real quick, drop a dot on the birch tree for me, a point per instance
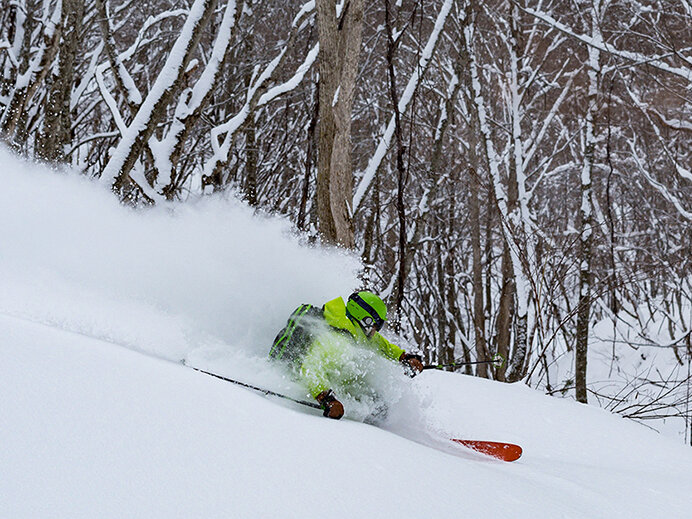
(593, 65)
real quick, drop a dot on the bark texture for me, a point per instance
(340, 41)
(56, 132)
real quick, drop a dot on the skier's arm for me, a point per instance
(387, 348)
(413, 363)
(316, 363)
(319, 359)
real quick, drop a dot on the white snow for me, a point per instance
(307, 8)
(71, 256)
(99, 419)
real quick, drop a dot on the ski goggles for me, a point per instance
(377, 322)
(371, 325)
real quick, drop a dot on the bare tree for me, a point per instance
(593, 65)
(55, 134)
(38, 47)
(154, 106)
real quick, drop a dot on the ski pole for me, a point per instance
(261, 390)
(498, 361)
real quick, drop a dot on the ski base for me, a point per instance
(498, 450)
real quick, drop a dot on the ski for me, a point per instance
(498, 450)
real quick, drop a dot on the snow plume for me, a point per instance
(209, 282)
(209, 275)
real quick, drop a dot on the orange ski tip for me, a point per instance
(499, 450)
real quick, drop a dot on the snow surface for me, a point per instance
(100, 419)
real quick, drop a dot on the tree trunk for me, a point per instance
(445, 328)
(517, 204)
(478, 292)
(309, 162)
(28, 81)
(340, 41)
(57, 125)
(401, 175)
(505, 311)
(250, 183)
(585, 213)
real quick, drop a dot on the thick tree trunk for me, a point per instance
(340, 42)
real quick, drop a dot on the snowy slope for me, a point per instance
(90, 429)
(99, 419)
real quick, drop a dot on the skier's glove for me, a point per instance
(413, 364)
(332, 407)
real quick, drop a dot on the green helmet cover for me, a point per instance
(362, 304)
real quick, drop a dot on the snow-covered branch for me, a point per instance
(637, 59)
(152, 109)
(386, 139)
(258, 95)
(38, 67)
(168, 150)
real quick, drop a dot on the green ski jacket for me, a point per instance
(324, 354)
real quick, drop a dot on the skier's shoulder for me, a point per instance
(334, 313)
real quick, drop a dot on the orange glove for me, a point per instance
(413, 364)
(332, 407)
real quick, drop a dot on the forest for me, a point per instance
(511, 172)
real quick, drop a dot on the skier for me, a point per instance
(312, 343)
